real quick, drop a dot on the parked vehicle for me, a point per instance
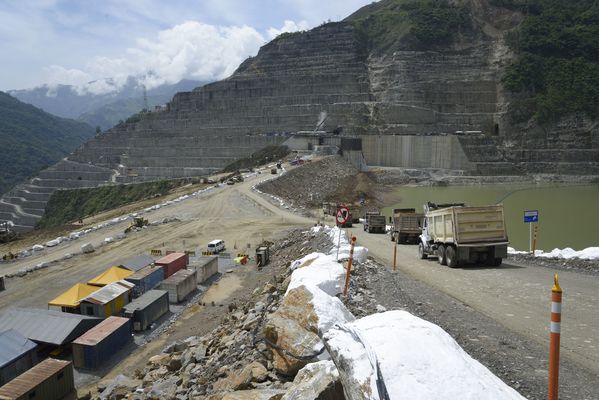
(407, 225)
(374, 222)
(457, 234)
(216, 246)
(262, 256)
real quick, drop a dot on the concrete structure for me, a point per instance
(146, 279)
(47, 327)
(179, 285)
(108, 300)
(204, 267)
(49, 380)
(17, 355)
(99, 344)
(146, 309)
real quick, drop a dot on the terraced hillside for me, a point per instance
(391, 72)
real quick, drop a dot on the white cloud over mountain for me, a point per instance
(190, 50)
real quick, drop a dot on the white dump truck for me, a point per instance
(457, 234)
(374, 222)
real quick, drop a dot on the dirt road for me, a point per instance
(235, 214)
(519, 298)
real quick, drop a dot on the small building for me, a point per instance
(146, 279)
(205, 267)
(179, 285)
(100, 343)
(47, 327)
(111, 275)
(172, 263)
(134, 263)
(108, 300)
(49, 380)
(17, 355)
(146, 309)
(70, 300)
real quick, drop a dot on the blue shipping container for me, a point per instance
(146, 279)
(100, 343)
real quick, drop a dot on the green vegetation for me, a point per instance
(263, 156)
(428, 23)
(32, 139)
(557, 58)
(71, 205)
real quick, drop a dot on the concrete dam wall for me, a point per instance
(409, 151)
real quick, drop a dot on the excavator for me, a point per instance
(138, 222)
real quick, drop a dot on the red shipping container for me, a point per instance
(172, 263)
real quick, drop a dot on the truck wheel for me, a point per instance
(450, 257)
(421, 253)
(495, 262)
(441, 255)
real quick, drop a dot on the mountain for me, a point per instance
(32, 139)
(103, 110)
(469, 88)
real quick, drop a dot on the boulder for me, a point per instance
(119, 387)
(263, 394)
(37, 247)
(304, 314)
(87, 248)
(252, 373)
(316, 381)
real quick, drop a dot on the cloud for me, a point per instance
(191, 50)
(288, 26)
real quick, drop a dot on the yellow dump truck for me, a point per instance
(457, 234)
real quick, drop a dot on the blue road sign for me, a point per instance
(531, 216)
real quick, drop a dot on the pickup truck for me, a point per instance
(457, 234)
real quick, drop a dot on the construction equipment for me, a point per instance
(6, 233)
(458, 234)
(407, 225)
(262, 256)
(374, 222)
(138, 222)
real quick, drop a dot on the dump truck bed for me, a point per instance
(468, 225)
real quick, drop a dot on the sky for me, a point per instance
(96, 45)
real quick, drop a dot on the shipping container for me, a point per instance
(172, 263)
(146, 309)
(97, 345)
(179, 285)
(205, 267)
(17, 355)
(49, 380)
(146, 279)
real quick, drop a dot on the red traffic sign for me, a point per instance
(342, 215)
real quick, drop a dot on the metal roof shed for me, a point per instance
(46, 326)
(111, 275)
(107, 301)
(71, 298)
(135, 263)
(49, 380)
(17, 355)
(146, 309)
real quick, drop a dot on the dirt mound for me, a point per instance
(329, 179)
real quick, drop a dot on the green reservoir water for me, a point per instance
(568, 215)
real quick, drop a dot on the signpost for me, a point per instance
(341, 217)
(530, 217)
